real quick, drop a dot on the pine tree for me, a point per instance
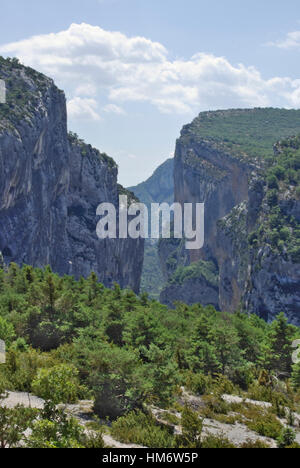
(281, 346)
(192, 427)
(296, 376)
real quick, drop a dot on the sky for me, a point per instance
(135, 71)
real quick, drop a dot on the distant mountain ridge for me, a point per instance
(159, 187)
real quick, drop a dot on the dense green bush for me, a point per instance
(199, 383)
(192, 427)
(13, 423)
(286, 438)
(216, 442)
(59, 384)
(142, 429)
(54, 429)
(267, 426)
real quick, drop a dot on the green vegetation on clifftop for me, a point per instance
(244, 133)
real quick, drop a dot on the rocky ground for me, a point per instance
(21, 398)
(81, 411)
(237, 433)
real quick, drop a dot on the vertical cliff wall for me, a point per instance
(226, 160)
(259, 256)
(51, 184)
(205, 174)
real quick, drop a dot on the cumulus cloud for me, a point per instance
(94, 64)
(291, 41)
(83, 108)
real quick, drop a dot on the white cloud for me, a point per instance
(95, 65)
(86, 89)
(291, 41)
(114, 109)
(83, 108)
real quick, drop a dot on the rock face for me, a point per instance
(257, 277)
(225, 159)
(204, 174)
(51, 184)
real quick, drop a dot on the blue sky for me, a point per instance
(135, 71)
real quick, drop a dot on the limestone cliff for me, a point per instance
(258, 247)
(51, 184)
(226, 159)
